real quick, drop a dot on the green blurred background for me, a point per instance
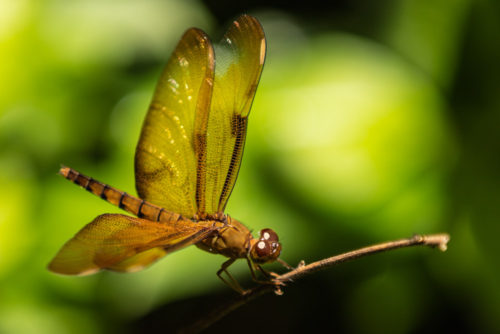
(373, 121)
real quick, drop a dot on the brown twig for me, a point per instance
(439, 241)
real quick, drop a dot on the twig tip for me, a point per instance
(438, 240)
(443, 246)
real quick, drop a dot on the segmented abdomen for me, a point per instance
(129, 203)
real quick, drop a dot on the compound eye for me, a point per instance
(269, 235)
(263, 248)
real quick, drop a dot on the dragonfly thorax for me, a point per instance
(234, 240)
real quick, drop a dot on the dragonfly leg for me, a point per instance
(268, 275)
(284, 264)
(232, 283)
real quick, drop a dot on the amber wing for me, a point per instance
(122, 243)
(191, 144)
(239, 61)
(165, 163)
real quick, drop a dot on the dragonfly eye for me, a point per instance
(263, 249)
(268, 234)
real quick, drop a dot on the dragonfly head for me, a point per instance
(266, 248)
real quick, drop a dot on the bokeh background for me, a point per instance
(373, 120)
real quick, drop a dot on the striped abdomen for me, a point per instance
(129, 203)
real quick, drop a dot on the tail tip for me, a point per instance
(64, 171)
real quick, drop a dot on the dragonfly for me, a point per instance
(186, 164)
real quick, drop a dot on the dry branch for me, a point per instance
(439, 241)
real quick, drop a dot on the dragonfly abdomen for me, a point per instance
(121, 199)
